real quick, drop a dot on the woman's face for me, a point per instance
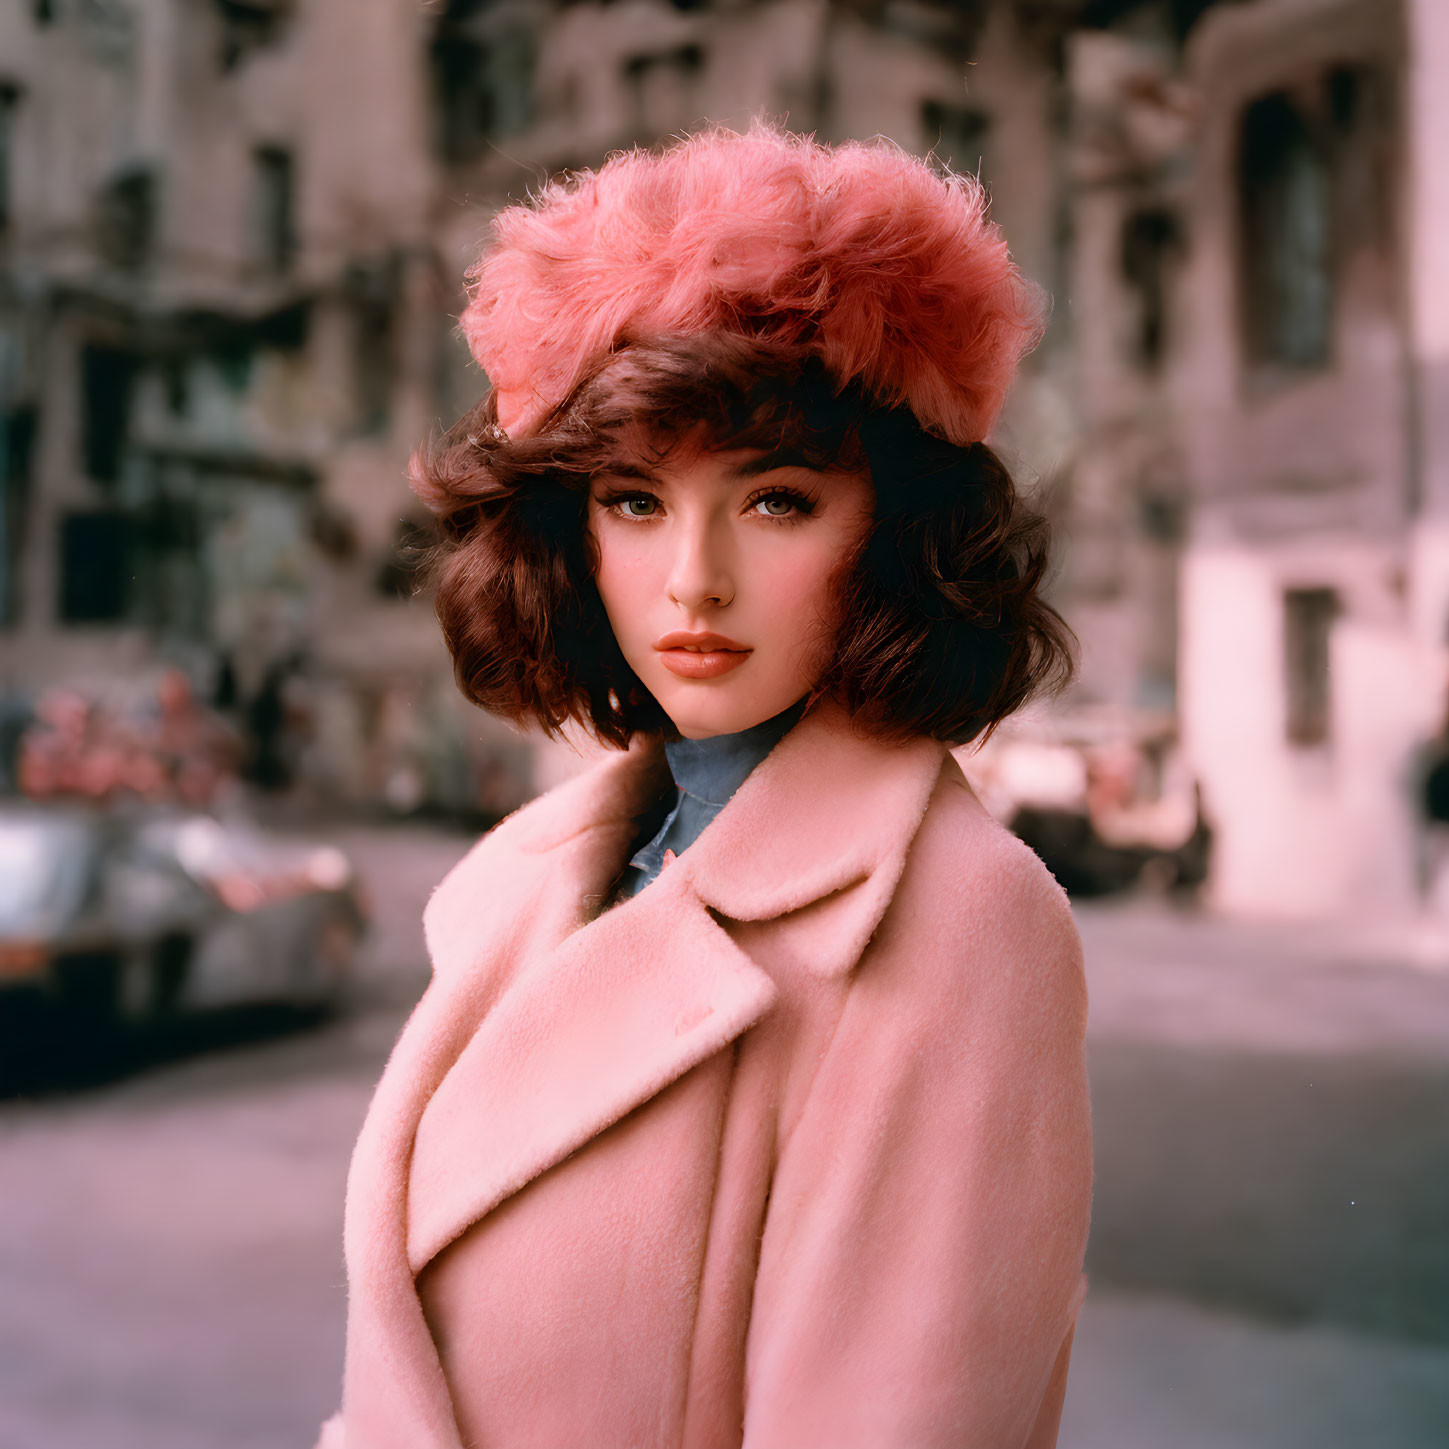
(716, 570)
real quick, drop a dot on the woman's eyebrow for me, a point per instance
(776, 458)
(628, 470)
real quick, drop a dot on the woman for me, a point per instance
(746, 1106)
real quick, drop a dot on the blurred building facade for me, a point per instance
(1313, 606)
(222, 326)
(231, 239)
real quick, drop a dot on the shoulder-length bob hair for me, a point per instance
(943, 631)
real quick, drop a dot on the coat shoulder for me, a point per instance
(991, 916)
(495, 843)
(970, 854)
(491, 867)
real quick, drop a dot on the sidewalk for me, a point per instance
(1156, 973)
(1270, 1249)
(1270, 1243)
(1152, 1373)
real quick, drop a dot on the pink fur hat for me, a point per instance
(859, 253)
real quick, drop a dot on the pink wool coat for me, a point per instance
(789, 1151)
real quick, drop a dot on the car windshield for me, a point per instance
(42, 870)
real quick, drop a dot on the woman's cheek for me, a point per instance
(793, 579)
(625, 582)
(801, 606)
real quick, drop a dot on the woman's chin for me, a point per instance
(699, 712)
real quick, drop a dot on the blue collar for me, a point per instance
(706, 773)
(713, 769)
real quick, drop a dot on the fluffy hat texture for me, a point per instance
(859, 253)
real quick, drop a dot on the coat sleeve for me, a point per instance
(920, 1264)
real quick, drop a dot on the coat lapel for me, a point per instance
(823, 827)
(598, 1013)
(623, 1007)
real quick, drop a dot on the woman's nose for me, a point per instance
(699, 572)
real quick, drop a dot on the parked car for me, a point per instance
(124, 914)
(1106, 798)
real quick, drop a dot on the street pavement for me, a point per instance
(1272, 1121)
(1268, 1262)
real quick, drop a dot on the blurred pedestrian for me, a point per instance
(173, 751)
(195, 751)
(64, 749)
(1434, 820)
(16, 717)
(260, 706)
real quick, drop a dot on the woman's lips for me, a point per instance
(700, 655)
(702, 664)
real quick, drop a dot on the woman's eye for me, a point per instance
(637, 505)
(779, 505)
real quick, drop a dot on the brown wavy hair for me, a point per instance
(944, 628)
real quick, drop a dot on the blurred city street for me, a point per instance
(1268, 1264)
(235, 244)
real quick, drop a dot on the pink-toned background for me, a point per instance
(232, 234)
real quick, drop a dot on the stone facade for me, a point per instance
(223, 319)
(1312, 662)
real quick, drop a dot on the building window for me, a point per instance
(374, 295)
(17, 438)
(1285, 251)
(1151, 239)
(275, 204)
(126, 219)
(94, 567)
(176, 384)
(9, 103)
(1308, 617)
(464, 107)
(108, 375)
(662, 85)
(957, 134)
(170, 582)
(483, 84)
(250, 25)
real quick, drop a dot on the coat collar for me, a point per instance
(828, 807)
(598, 1013)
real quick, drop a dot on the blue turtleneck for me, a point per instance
(706, 773)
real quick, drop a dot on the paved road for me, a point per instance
(1270, 1140)
(170, 1260)
(1272, 1122)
